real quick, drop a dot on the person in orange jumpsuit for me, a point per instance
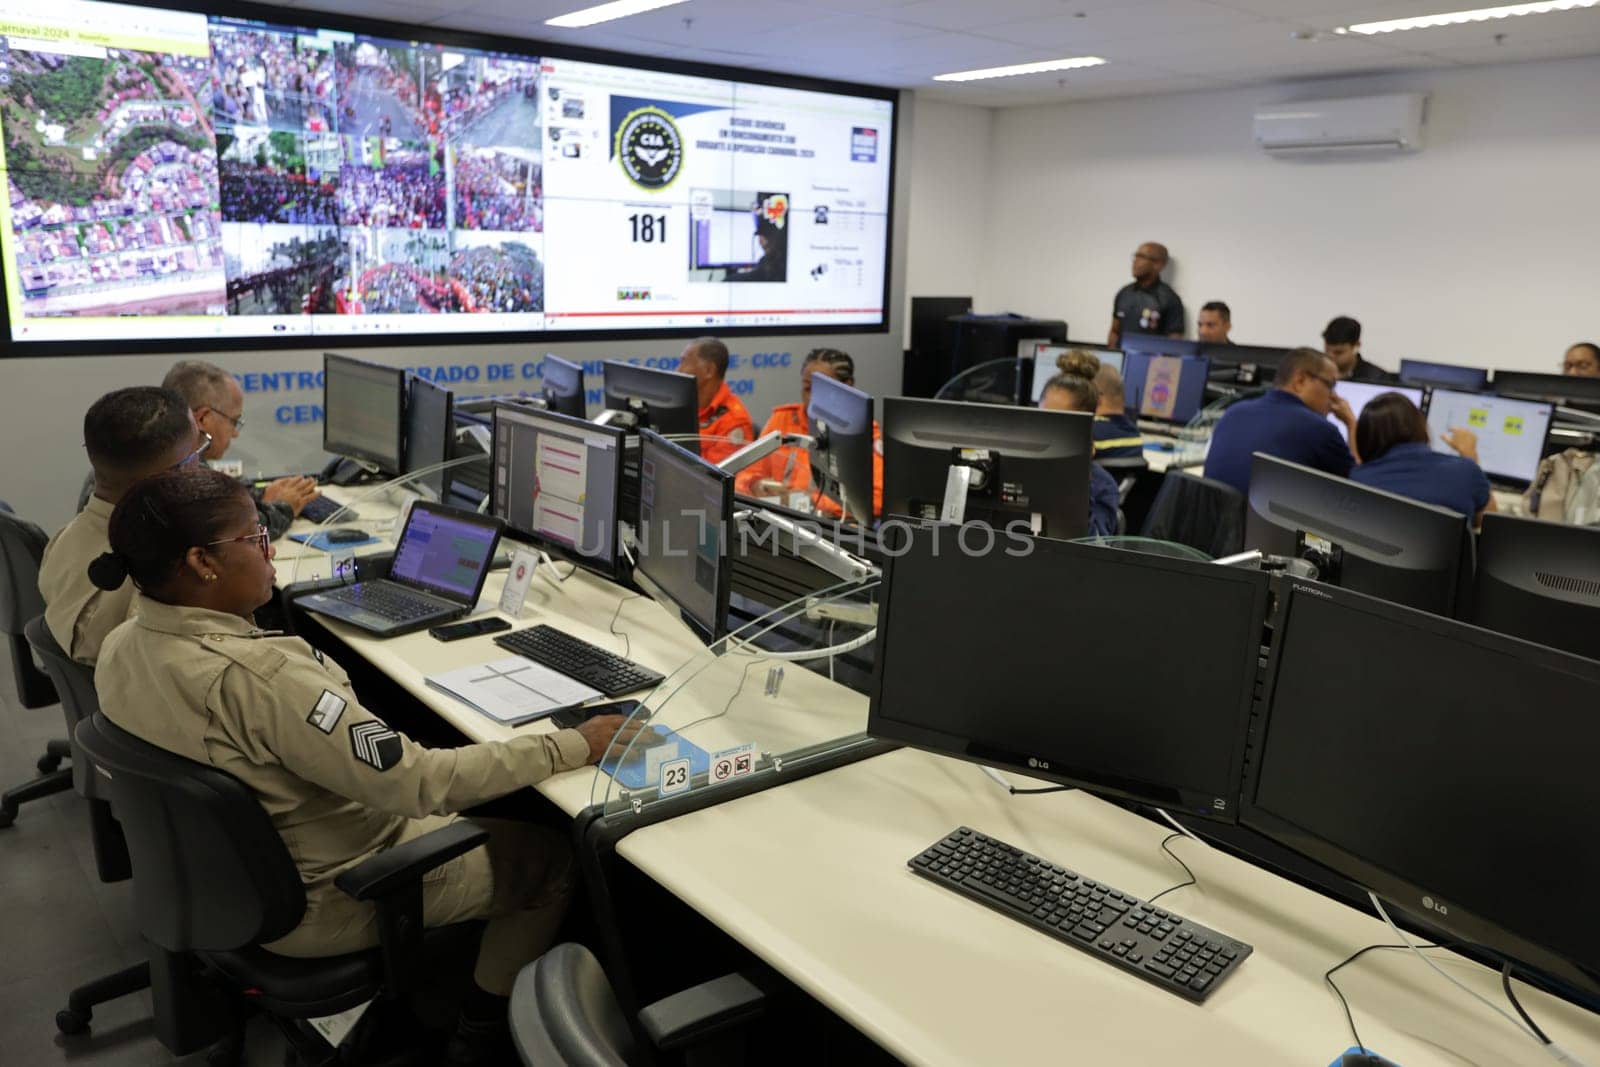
(725, 425)
(789, 468)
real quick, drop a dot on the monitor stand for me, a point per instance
(969, 468)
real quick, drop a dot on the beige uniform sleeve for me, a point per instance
(291, 710)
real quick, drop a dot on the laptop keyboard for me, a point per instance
(386, 600)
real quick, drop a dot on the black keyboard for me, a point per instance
(1158, 945)
(577, 658)
(387, 600)
(320, 509)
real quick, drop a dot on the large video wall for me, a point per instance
(175, 175)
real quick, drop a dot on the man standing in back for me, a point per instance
(1147, 304)
(1341, 339)
(725, 425)
(1290, 422)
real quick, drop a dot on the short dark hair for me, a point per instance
(1083, 392)
(201, 384)
(131, 428)
(714, 350)
(1219, 307)
(159, 519)
(1309, 360)
(844, 368)
(1342, 331)
(1594, 349)
(1388, 419)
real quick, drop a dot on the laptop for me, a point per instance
(438, 571)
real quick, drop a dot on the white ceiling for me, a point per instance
(1152, 46)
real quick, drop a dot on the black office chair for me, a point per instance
(75, 683)
(213, 881)
(564, 1013)
(21, 547)
(1202, 513)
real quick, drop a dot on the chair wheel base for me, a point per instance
(72, 1022)
(7, 817)
(47, 763)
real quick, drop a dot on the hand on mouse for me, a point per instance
(601, 730)
(295, 492)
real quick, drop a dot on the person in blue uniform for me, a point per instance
(1070, 392)
(1290, 422)
(1392, 437)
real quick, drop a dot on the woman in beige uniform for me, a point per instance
(191, 673)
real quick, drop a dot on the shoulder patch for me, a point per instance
(327, 711)
(375, 744)
(737, 434)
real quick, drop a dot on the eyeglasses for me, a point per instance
(1331, 383)
(237, 421)
(261, 537)
(194, 457)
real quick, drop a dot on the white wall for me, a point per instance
(1479, 249)
(951, 161)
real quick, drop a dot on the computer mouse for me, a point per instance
(345, 536)
(1363, 1059)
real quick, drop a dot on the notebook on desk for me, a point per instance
(439, 567)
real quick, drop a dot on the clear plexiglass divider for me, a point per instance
(756, 701)
(377, 509)
(1150, 545)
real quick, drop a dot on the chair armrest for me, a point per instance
(393, 881)
(687, 1018)
(395, 868)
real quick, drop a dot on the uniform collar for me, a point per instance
(1406, 448)
(1283, 396)
(723, 398)
(190, 622)
(98, 508)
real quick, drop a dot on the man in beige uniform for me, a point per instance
(129, 434)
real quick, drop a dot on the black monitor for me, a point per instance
(1447, 769)
(662, 400)
(1360, 538)
(1511, 433)
(840, 417)
(1154, 344)
(430, 424)
(1243, 364)
(557, 481)
(1570, 389)
(1444, 375)
(1029, 465)
(1161, 719)
(363, 411)
(563, 387)
(1163, 386)
(1539, 581)
(685, 521)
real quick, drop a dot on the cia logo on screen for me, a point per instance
(650, 148)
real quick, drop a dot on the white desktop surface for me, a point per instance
(812, 877)
(808, 709)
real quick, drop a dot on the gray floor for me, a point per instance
(60, 926)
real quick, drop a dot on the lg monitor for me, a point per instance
(1160, 720)
(1359, 394)
(840, 417)
(1444, 376)
(557, 481)
(1360, 538)
(1446, 769)
(1511, 433)
(563, 387)
(363, 411)
(430, 424)
(685, 521)
(1569, 389)
(1163, 387)
(1045, 367)
(661, 400)
(1539, 581)
(1022, 464)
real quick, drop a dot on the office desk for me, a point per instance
(1182, 454)
(812, 877)
(722, 708)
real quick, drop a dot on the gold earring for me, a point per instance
(211, 577)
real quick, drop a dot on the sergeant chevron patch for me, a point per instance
(375, 744)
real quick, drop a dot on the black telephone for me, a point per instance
(341, 471)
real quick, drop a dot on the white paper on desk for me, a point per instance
(520, 572)
(512, 690)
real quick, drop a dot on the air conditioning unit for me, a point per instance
(1389, 123)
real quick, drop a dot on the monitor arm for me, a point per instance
(969, 469)
(761, 448)
(627, 420)
(812, 547)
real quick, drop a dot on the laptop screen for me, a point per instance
(443, 553)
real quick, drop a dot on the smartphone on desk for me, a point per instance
(455, 631)
(571, 718)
